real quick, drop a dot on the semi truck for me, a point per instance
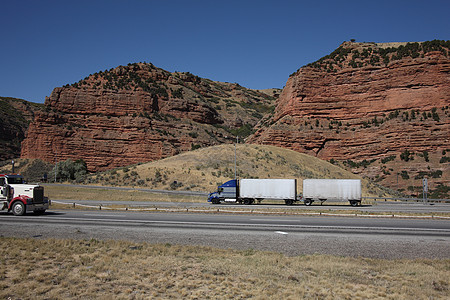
(248, 191)
(341, 190)
(19, 197)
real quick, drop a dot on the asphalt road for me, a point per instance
(394, 207)
(292, 235)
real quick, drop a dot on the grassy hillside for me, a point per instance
(204, 169)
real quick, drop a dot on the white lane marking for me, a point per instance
(277, 220)
(101, 215)
(281, 232)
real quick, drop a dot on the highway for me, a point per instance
(393, 207)
(292, 235)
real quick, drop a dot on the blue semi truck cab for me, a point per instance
(228, 190)
(249, 191)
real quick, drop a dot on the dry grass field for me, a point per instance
(66, 192)
(93, 269)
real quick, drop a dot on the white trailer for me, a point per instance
(248, 191)
(332, 189)
(277, 189)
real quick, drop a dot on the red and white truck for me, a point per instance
(19, 197)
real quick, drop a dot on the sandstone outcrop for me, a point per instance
(15, 116)
(138, 113)
(366, 101)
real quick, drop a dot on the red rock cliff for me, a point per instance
(365, 101)
(138, 113)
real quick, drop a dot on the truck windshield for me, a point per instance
(15, 180)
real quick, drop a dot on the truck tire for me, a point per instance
(289, 201)
(354, 203)
(308, 202)
(18, 208)
(247, 201)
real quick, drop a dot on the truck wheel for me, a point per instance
(247, 201)
(18, 208)
(288, 201)
(308, 202)
(354, 203)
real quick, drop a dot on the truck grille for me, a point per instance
(38, 195)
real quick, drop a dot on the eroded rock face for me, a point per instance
(138, 113)
(350, 106)
(15, 115)
(354, 98)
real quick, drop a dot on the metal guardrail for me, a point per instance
(406, 199)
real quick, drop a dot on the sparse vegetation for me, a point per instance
(75, 269)
(406, 155)
(388, 159)
(404, 175)
(373, 54)
(33, 170)
(15, 115)
(200, 170)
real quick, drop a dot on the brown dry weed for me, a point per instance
(87, 269)
(65, 192)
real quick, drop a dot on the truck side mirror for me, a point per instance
(5, 190)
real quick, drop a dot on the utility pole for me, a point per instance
(425, 189)
(235, 164)
(56, 163)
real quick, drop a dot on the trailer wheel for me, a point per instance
(247, 201)
(289, 201)
(354, 203)
(18, 208)
(308, 202)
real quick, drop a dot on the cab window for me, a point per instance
(15, 180)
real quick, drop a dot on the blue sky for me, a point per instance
(258, 44)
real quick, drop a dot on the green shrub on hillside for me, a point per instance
(70, 170)
(407, 156)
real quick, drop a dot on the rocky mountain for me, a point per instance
(15, 116)
(382, 110)
(139, 113)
